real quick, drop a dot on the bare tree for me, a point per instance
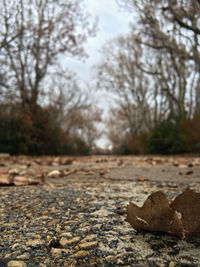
(44, 30)
(73, 106)
(174, 83)
(171, 29)
(7, 33)
(89, 127)
(120, 74)
(66, 97)
(116, 128)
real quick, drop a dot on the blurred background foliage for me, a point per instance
(22, 133)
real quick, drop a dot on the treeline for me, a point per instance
(21, 132)
(153, 73)
(41, 132)
(43, 108)
(169, 137)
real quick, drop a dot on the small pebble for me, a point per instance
(88, 245)
(80, 254)
(16, 264)
(66, 242)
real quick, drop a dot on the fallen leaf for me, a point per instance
(66, 162)
(23, 180)
(181, 217)
(189, 172)
(20, 180)
(54, 174)
(102, 172)
(66, 172)
(188, 205)
(155, 215)
(5, 179)
(120, 163)
(142, 179)
(183, 166)
(190, 165)
(13, 172)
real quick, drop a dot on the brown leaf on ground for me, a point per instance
(120, 163)
(54, 174)
(102, 172)
(181, 217)
(155, 215)
(5, 179)
(22, 180)
(142, 179)
(189, 172)
(188, 205)
(66, 161)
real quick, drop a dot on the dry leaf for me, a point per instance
(155, 215)
(102, 172)
(23, 180)
(189, 172)
(13, 172)
(5, 180)
(188, 205)
(120, 163)
(54, 174)
(181, 217)
(142, 179)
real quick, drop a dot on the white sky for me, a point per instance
(112, 22)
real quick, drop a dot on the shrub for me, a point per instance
(9, 135)
(122, 149)
(166, 138)
(38, 133)
(137, 144)
(191, 134)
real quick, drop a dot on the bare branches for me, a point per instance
(180, 20)
(120, 73)
(169, 30)
(43, 30)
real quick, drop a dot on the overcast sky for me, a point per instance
(112, 21)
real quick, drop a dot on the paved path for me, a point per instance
(79, 219)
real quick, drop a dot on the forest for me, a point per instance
(152, 73)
